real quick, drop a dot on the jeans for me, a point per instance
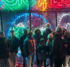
(12, 60)
(4, 62)
(67, 60)
(30, 60)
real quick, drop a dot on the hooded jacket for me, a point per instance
(14, 44)
(59, 50)
(4, 48)
(29, 47)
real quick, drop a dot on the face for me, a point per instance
(12, 33)
(2, 35)
(30, 35)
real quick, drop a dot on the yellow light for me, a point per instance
(42, 4)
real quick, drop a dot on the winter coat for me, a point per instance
(42, 52)
(37, 38)
(4, 48)
(29, 46)
(21, 44)
(59, 50)
(67, 42)
(14, 44)
(45, 34)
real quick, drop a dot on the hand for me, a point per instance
(9, 53)
(14, 53)
(65, 45)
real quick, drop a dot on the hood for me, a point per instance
(58, 35)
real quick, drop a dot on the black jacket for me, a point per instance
(14, 44)
(37, 38)
(45, 34)
(4, 48)
(21, 43)
(67, 42)
(59, 50)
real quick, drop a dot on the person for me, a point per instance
(59, 48)
(37, 36)
(67, 41)
(30, 48)
(50, 48)
(47, 31)
(21, 45)
(14, 48)
(4, 50)
(42, 52)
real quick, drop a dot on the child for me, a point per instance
(50, 47)
(42, 50)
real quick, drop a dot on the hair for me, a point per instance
(1, 32)
(50, 35)
(37, 29)
(58, 29)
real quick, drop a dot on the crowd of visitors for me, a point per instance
(54, 45)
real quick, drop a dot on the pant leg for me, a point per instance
(24, 62)
(51, 62)
(6, 62)
(66, 62)
(29, 60)
(41, 61)
(37, 60)
(12, 60)
(1, 62)
(32, 62)
(45, 63)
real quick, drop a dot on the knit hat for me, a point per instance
(12, 30)
(58, 29)
(50, 36)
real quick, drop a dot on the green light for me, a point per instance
(17, 4)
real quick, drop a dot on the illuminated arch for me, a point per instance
(27, 14)
(68, 14)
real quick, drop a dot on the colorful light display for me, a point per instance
(18, 4)
(1, 4)
(62, 17)
(42, 5)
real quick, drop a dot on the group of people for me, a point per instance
(54, 45)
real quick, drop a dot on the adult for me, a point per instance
(4, 50)
(21, 45)
(59, 48)
(47, 31)
(30, 49)
(14, 48)
(37, 36)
